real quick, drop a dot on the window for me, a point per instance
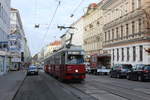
(140, 25)
(112, 34)
(113, 55)
(117, 54)
(122, 54)
(109, 34)
(134, 53)
(127, 30)
(117, 33)
(105, 36)
(139, 3)
(97, 22)
(128, 57)
(133, 5)
(141, 53)
(121, 31)
(133, 27)
(90, 25)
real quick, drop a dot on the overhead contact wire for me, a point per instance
(51, 21)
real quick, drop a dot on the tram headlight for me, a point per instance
(76, 71)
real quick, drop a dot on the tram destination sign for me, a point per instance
(74, 52)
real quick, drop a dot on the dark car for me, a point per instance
(120, 70)
(139, 72)
(32, 70)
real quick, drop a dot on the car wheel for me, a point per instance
(140, 78)
(118, 75)
(128, 77)
(110, 76)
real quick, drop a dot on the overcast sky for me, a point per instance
(41, 12)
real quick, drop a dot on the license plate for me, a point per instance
(32, 72)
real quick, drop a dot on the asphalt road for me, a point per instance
(106, 88)
(44, 87)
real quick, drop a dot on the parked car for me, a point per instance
(103, 71)
(139, 72)
(87, 66)
(120, 70)
(32, 70)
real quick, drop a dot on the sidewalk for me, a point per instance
(10, 83)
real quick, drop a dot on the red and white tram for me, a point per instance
(66, 64)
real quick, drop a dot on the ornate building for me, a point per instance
(93, 29)
(127, 31)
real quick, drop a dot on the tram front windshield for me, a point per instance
(75, 59)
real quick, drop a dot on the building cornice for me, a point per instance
(145, 38)
(107, 3)
(125, 18)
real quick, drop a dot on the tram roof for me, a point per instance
(72, 48)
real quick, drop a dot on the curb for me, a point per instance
(17, 90)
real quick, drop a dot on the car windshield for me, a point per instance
(147, 67)
(127, 66)
(32, 67)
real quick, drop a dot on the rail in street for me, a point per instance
(45, 87)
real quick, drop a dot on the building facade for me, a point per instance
(51, 48)
(93, 29)
(127, 31)
(4, 31)
(77, 32)
(17, 41)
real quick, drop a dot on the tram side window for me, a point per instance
(52, 60)
(63, 58)
(57, 59)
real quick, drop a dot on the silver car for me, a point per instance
(32, 70)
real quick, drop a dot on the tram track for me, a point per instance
(99, 90)
(121, 91)
(79, 94)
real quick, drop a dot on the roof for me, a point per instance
(93, 5)
(55, 43)
(13, 9)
